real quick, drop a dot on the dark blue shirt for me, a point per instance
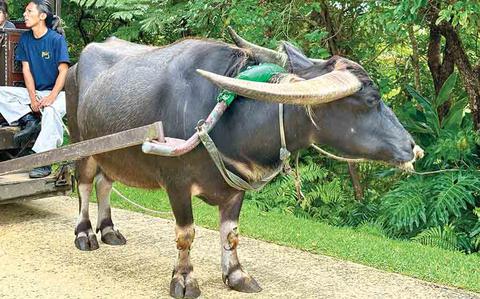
(43, 55)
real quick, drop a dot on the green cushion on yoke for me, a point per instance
(258, 73)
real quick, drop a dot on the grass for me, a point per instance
(409, 258)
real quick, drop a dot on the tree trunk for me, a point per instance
(329, 25)
(357, 187)
(83, 32)
(470, 75)
(415, 60)
(441, 66)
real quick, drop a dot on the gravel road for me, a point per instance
(38, 259)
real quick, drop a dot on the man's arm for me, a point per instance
(30, 84)
(57, 88)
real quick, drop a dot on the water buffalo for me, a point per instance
(118, 85)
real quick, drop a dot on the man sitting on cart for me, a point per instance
(45, 61)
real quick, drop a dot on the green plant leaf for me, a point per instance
(453, 192)
(403, 209)
(453, 120)
(446, 90)
(430, 112)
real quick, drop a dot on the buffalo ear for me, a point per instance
(297, 61)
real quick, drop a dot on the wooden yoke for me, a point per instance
(86, 148)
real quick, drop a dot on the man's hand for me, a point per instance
(35, 105)
(47, 101)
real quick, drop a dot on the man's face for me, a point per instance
(32, 15)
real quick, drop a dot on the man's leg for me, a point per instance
(14, 103)
(51, 133)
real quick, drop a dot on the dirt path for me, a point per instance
(39, 260)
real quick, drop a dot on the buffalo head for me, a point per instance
(343, 103)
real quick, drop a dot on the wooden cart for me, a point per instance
(15, 184)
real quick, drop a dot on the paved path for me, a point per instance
(39, 260)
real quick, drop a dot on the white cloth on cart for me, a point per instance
(15, 103)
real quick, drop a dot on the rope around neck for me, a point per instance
(337, 157)
(365, 160)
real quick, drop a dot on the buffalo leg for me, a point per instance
(85, 238)
(232, 273)
(183, 284)
(110, 235)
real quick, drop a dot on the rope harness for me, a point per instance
(261, 73)
(234, 180)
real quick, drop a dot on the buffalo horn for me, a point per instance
(323, 89)
(315, 60)
(260, 53)
(264, 54)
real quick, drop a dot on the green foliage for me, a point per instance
(404, 209)
(428, 209)
(326, 195)
(426, 119)
(463, 12)
(424, 208)
(452, 195)
(264, 24)
(421, 202)
(322, 191)
(447, 142)
(459, 12)
(444, 237)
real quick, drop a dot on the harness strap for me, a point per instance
(260, 73)
(230, 178)
(234, 180)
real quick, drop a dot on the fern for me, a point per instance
(374, 228)
(362, 212)
(328, 193)
(325, 197)
(475, 231)
(312, 173)
(476, 243)
(443, 237)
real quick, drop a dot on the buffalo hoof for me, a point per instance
(242, 282)
(184, 286)
(114, 237)
(85, 243)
